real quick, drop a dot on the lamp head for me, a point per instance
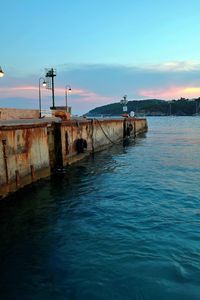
(1, 72)
(70, 90)
(44, 83)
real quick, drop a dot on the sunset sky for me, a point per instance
(102, 48)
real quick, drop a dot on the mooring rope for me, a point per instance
(106, 134)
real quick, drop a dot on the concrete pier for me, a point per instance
(32, 149)
(24, 154)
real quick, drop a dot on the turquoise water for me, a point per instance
(125, 225)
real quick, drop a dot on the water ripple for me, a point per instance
(125, 225)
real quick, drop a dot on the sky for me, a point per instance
(103, 49)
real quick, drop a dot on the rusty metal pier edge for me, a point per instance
(30, 152)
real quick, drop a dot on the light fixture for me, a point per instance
(67, 89)
(1, 72)
(40, 101)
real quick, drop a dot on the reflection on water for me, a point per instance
(124, 225)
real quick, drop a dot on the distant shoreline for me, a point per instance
(152, 107)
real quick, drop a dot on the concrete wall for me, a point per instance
(51, 145)
(140, 126)
(71, 131)
(24, 156)
(98, 134)
(107, 132)
(14, 113)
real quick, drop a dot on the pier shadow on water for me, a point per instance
(28, 221)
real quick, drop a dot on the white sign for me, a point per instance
(125, 108)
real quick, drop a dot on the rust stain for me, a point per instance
(17, 178)
(32, 172)
(5, 159)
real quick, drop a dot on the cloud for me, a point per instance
(174, 66)
(171, 92)
(117, 80)
(83, 94)
(32, 91)
(96, 85)
(78, 98)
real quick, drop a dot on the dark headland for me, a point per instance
(152, 107)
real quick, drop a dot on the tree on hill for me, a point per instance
(150, 107)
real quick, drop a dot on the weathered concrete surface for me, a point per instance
(98, 133)
(140, 126)
(24, 122)
(14, 113)
(106, 132)
(24, 155)
(71, 131)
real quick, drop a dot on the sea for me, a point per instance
(122, 225)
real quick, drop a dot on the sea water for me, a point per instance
(124, 225)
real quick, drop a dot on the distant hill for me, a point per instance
(151, 107)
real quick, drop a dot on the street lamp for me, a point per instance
(1, 72)
(43, 84)
(67, 89)
(51, 73)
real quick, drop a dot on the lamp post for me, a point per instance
(51, 73)
(44, 84)
(67, 89)
(1, 72)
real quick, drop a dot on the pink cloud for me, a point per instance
(84, 95)
(171, 92)
(19, 91)
(30, 92)
(88, 96)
